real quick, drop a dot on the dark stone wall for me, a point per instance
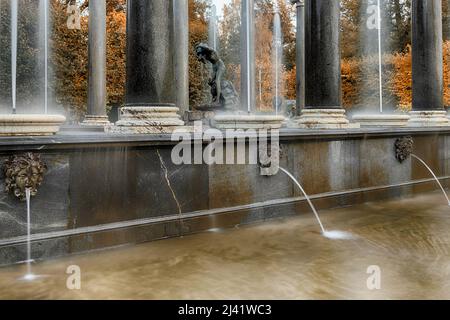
(113, 185)
(51, 206)
(95, 186)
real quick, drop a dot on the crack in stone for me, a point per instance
(166, 176)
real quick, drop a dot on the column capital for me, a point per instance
(298, 3)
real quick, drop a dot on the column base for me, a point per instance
(323, 119)
(382, 120)
(206, 117)
(30, 124)
(148, 120)
(96, 121)
(248, 121)
(435, 118)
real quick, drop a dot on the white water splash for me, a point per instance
(338, 235)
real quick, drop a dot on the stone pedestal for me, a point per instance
(382, 120)
(432, 118)
(96, 121)
(243, 121)
(30, 125)
(143, 120)
(323, 119)
(206, 117)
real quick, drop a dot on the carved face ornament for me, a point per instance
(23, 172)
(403, 148)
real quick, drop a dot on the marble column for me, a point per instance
(300, 55)
(96, 109)
(323, 107)
(181, 39)
(427, 64)
(323, 56)
(150, 75)
(247, 56)
(150, 100)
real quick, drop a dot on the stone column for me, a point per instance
(323, 108)
(427, 64)
(247, 56)
(150, 81)
(300, 55)
(181, 52)
(96, 109)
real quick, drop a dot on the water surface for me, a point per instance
(286, 259)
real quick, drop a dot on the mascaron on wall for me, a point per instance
(25, 171)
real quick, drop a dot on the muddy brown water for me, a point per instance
(409, 240)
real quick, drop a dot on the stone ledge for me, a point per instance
(433, 118)
(382, 120)
(30, 124)
(323, 119)
(148, 120)
(96, 121)
(248, 121)
(84, 138)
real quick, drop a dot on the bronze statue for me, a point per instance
(23, 172)
(224, 95)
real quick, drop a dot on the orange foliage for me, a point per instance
(70, 58)
(447, 73)
(115, 59)
(350, 72)
(401, 82)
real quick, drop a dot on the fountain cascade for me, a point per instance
(382, 118)
(247, 118)
(16, 124)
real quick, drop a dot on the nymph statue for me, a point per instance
(23, 172)
(224, 95)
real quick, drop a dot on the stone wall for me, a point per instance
(101, 193)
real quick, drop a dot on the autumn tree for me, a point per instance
(70, 60)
